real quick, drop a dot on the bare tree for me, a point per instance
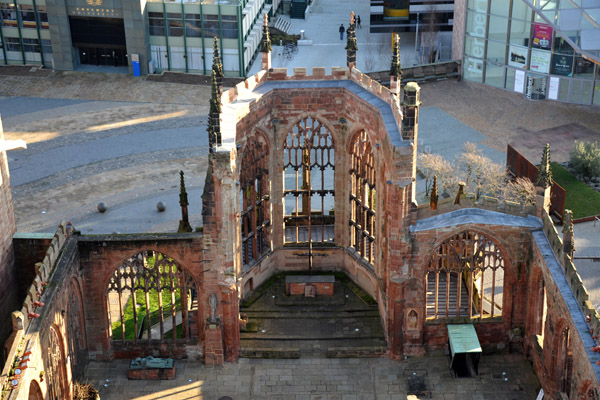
(521, 190)
(435, 165)
(370, 53)
(429, 36)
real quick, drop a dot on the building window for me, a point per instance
(308, 193)
(362, 197)
(43, 17)
(151, 297)
(229, 26)
(9, 14)
(211, 25)
(12, 44)
(175, 24)
(31, 46)
(46, 46)
(156, 23)
(193, 25)
(27, 16)
(465, 278)
(254, 183)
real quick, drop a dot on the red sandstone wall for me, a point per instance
(8, 280)
(493, 335)
(547, 351)
(101, 255)
(28, 252)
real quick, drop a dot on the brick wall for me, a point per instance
(8, 279)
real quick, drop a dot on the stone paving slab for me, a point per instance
(506, 377)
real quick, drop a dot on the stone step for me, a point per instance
(312, 314)
(330, 348)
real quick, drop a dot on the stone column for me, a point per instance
(410, 111)
(221, 251)
(213, 344)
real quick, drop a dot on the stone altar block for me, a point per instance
(152, 368)
(296, 284)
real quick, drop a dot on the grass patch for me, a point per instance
(581, 199)
(169, 334)
(140, 297)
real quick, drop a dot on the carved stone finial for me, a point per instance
(544, 179)
(217, 66)
(351, 46)
(214, 125)
(184, 223)
(396, 67)
(568, 234)
(433, 198)
(265, 43)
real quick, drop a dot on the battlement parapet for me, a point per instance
(469, 200)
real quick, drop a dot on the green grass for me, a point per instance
(140, 297)
(581, 199)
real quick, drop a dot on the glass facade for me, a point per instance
(545, 50)
(181, 34)
(24, 33)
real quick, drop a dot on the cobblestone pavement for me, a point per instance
(501, 377)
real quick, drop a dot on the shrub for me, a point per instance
(585, 159)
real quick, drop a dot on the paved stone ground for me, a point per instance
(501, 377)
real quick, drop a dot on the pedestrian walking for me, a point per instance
(342, 30)
(358, 21)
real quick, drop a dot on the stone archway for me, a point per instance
(150, 296)
(465, 278)
(57, 374)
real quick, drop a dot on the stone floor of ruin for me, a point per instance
(501, 377)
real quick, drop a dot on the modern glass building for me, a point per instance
(545, 49)
(148, 35)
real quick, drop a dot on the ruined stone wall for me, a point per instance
(555, 360)
(48, 332)
(101, 255)
(8, 277)
(494, 334)
(29, 250)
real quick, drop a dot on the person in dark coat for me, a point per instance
(342, 30)
(358, 21)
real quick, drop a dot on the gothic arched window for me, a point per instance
(362, 197)
(465, 278)
(308, 191)
(254, 184)
(151, 297)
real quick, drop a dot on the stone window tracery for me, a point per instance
(254, 184)
(465, 278)
(308, 195)
(151, 297)
(362, 197)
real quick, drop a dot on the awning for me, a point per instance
(464, 345)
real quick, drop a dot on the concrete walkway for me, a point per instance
(505, 377)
